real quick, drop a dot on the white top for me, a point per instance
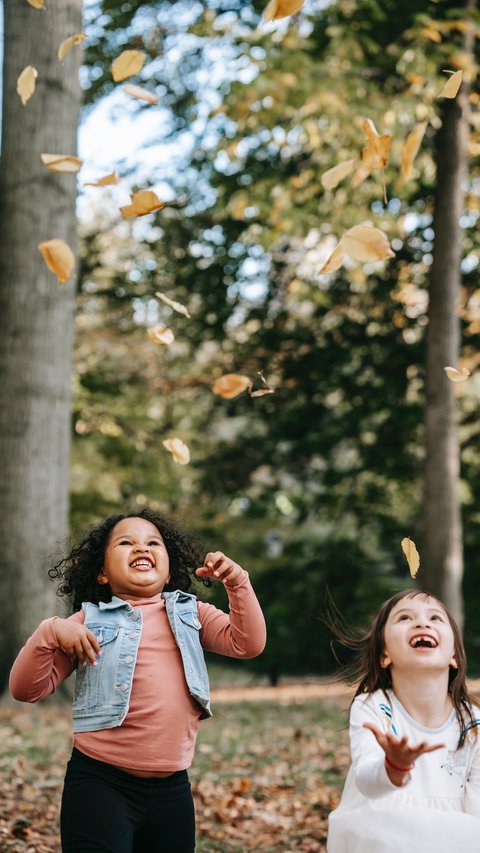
(437, 810)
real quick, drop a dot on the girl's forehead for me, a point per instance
(415, 602)
(134, 526)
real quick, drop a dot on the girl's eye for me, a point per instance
(156, 542)
(124, 542)
(437, 617)
(403, 617)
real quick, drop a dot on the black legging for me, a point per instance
(105, 810)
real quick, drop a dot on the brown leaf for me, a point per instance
(59, 258)
(26, 83)
(410, 149)
(334, 261)
(141, 94)
(366, 243)
(143, 202)
(332, 177)
(68, 43)
(412, 555)
(374, 155)
(62, 162)
(457, 375)
(231, 385)
(129, 62)
(177, 306)
(161, 335)
(281, 9)
(107, 180)
(260, 392)
(178, 449)
(37, 4)
(450, 90)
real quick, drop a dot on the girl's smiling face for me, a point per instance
(418, 634)
(136, 563)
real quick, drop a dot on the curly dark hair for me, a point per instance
(79, 570)
(368, 645)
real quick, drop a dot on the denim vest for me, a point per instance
(102, 693)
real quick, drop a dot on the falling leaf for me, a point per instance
(366, 243)
(452, 86)
(143, 202)
(412, 555)
(231, 385)
(161, 335)
(107, 180)
(178, 449)
(331, 178)
(62, 162)
(374, 155)
(457, 375)
(260, 392)
(281, 9)
(37, 4)
(177, 306)
(59, 258)
(410, 149)
(334, 261)
(141, 94)
(68, 43)
(26, 83)
(129, 62)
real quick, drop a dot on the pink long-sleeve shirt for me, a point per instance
(160, 729)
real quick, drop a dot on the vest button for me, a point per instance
(136, 615)
(128, 659)
(124, 687)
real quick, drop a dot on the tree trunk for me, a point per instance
(442, 559)
(36, 313)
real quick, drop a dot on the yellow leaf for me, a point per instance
(62, 162)
(59, 258)
(374, 155)
(332, 177)
(129, 62)
(412, 555)
(410, 149)
(430, 33)
(178, 449)
(26, 83)
(231, 385)
(366, 243)
(161, 335)
(68, 43)
(37, 4)
(107, 180)
(141, 94)
(143, 202)
(457, 375)
(177, 306)
(334, 261)
(281, 9)
(452, 86)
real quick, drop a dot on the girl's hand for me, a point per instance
(399, 756)
(77, 640)
(219, 567)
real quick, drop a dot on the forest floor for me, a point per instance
(268, 769)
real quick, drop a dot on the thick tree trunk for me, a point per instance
(36, 313)
(442, 558)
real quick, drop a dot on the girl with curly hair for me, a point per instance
(135, 640)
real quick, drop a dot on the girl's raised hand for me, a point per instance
(76, 639)
(219, 567)
(399, 756)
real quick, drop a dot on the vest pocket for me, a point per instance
(94, 685)
(104, 633)
(190, 618)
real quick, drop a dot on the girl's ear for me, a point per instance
(385, 661)
(101, 578)
(453, 663)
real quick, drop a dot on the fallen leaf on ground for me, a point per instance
(231, 385)
(161, 335)
(68, 43)
(281, 9)
(59, 258)
(67, 163)
(450, 90)
(107, 180)
(366, 243)
(26, 83)
(141, 94)
(457, 375)
(412, 555)
(129, 63)
(177, 306)
(143, 202)
(178, 449)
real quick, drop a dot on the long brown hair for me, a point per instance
(365, 670)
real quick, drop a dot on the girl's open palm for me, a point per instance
(397, 750)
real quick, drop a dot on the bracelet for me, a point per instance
(394, 766)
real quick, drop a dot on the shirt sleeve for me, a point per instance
(368, 757)
(472, 803)
(41, 665)
(241, 633)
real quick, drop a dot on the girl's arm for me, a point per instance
(368, 757)
(472, 801)
(42, 664)
(242, 632)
